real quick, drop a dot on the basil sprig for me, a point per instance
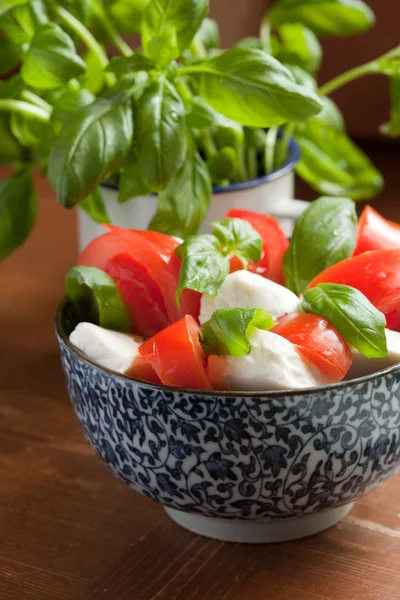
(205, 262)
(96, 298)
(323, 235)
(228, 329)
(352, 314)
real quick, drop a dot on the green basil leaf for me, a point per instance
(182, 206)
(324, 17)
(330, 115)
(127, 15)
(66, 103)
(332, 164)
(299, 45)
(96, 298)
(222, 164)
(175, 21)
(10, 55)
(249, 42)
(160, 133)
(239, 237)
(6, 5)
(202, 115)
(228, 329)
(51, 60)
(93, 78)
(106, 127)
(393, 127)
(323, 235)
(94, 206)
(388, 66)
(121, 65)
(10, 150)
(302, 77)
(18, 208)
(204, 267)
(21, 22)
(28, 130)
(131, 183)
(352, 314)
(81, 9)
(254, 89)
(209, 33)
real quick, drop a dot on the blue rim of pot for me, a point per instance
(61, 328)
(287, 167)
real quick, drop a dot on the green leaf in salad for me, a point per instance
(332, 164)
(392, 128)
(352, 314)
(324, 17)
(131, 183)
(121, 65)
(51, 60)
(18, 208)
(323, 235)
(228, 329)
(204, 266)
(96, 298)
(171, 26)
(205, 262)
(240, 238)
(160, 133)
(106, 127)
(298, 45)
(182, 206)
(254, 89)
(94, 206)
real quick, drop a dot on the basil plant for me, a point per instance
(176, 115)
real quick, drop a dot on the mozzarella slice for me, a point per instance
(365, 366)
(273, 364)
(249, 290)
(110, 349)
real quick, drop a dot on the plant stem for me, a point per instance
(26, 109)
(269, 149)
(34, 99)
(252, 162)
(84, 34)
(197, 48)
(283, 145)
(242, 169)
(265, 35)
(357, 72)
(118, 41)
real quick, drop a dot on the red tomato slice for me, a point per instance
(376, 274)
(145, 263)
(141, 369)
(376, 233)
(274, 240)
(176, 355)
(318, 341)
(165, 245)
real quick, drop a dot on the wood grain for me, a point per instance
(70, 531)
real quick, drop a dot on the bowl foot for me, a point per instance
(263, 531)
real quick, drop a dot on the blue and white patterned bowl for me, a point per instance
(255, 467)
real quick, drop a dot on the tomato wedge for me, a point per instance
(145, 284)
(176, 355)
(165, 245)
(142, 369)
(376, 274)
(274, 240)
(317, 341)
(374, 232)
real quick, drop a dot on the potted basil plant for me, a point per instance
(163, 123)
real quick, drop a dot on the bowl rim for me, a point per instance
(231, 394)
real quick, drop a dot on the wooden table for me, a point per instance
(70, 531)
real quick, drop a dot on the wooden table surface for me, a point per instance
(70, 531)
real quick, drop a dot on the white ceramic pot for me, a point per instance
(272, 194)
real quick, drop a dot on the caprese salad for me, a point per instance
(243, 308)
